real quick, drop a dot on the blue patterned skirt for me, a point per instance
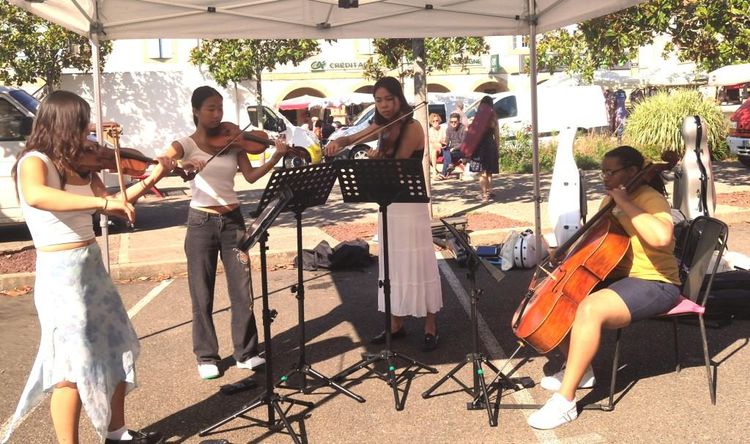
(86, 338)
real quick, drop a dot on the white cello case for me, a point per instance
(564, 206)
(694, 193)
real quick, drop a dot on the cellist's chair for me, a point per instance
(705, 235)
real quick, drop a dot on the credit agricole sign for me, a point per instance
(324, 65)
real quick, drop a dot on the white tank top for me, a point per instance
(214, 185)
(56, 227)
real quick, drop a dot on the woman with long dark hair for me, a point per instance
(415, 281)
(645, 282)
(214, 224)
(88, 347)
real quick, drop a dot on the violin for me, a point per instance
(229, 135)
(389, 132)
(96, 157)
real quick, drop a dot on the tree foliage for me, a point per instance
(397, 54)
(32, 48)
(708, 32)
(236, 60)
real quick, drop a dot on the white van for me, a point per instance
(558, 107)
(17, 110)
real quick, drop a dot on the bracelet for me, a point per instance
(106, 202)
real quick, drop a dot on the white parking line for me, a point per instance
(493, 347)
(149, 297)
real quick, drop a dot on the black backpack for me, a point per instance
(354, 254)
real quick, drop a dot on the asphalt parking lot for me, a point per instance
(654, 404)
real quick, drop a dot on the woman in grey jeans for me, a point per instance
(215, 223)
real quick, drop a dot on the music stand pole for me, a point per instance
(479, 388)
(303, 368)
(384, 182)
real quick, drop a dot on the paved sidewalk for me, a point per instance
(155, 246)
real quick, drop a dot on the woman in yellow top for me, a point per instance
(644, 283)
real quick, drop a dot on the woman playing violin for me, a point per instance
(643, 284)
(214, 225)
(88, 346)
(415, 282)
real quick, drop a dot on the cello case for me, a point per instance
(694, 193)
(565, 202)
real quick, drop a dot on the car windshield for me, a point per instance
(365, 115)
(27, 100)
(472, 110)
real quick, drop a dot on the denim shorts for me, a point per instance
(644, 298)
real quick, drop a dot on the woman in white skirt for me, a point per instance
(415, 281)
(88, 347)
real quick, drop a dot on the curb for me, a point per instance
(150, 269)
(286, 257)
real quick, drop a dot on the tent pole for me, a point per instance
(103, 219)
(420, 95)
(535, 126)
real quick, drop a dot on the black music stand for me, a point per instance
(384, 181)
(257, 233)
(479, 388)
(310, 186)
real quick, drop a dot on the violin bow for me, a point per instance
(115, 132)
(382, 128)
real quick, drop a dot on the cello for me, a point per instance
(548, 309)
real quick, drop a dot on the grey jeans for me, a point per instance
(210, 236)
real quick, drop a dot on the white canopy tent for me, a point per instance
(323, 19)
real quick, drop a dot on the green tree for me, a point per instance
(708, 32)
(32, 48)
(236, 60)
(397, 54)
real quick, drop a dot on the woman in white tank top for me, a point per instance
(214, 225)
(88, 347)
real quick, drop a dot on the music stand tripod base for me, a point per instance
(384, 181)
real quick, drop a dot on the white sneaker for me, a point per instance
(554, 382)
(251, 363)
(556, 412)
(208, 371)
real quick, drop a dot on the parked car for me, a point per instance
(17, 111)
(739, 133)
(732, 85)
(305, 147)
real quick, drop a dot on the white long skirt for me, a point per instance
(414, 276)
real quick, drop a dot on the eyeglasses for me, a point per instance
(609, 173)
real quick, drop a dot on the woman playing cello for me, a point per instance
(643, 284)
(415, 282)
